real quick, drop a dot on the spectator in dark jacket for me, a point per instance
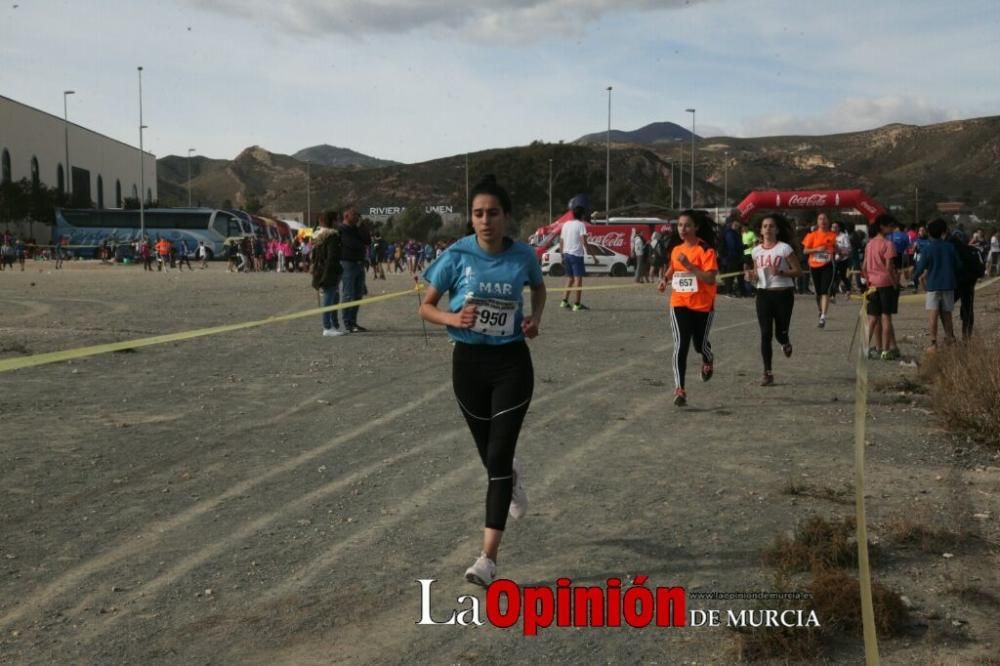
(326, 272)
(354, 244)
(732, 257)
(973, 268)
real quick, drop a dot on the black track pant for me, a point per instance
(493, 385)
(687, 324)
(774, 315)
(822, 281)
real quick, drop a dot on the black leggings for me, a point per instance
(822, 280)
(493, 385)
(843, 276)
(686, 324)
(774, 315)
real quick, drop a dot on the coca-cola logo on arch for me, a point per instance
(811, 201)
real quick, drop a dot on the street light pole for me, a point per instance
(309, 219)
(607, 183)
(190, 150)
(550, 191)
(671, 163)
(142, 169)
(67, 180)
(468, 204)
(680, 177)
(725, 181)
(691, 111)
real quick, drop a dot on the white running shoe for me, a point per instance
(519, 498)
(482, 572)
(333, 332)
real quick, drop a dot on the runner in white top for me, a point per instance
(775, 267)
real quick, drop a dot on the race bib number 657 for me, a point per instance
(494, 316)
(685, 283)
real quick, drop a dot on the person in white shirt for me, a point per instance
(574, 247)
(993, 257)
(842, 261)
(640, 253)
(775, 267)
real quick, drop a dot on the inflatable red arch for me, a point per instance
(805, 199)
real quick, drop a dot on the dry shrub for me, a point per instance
(965, 387)
(911, 532)
(790, 644)
(837, 601)
(977, 596)
(817, 544)
(842, 495)
(901, 384)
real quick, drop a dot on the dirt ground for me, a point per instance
(272, 496)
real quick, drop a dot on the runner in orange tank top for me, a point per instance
(691, 275)
(819, 246)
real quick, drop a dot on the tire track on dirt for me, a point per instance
(321, 565)
(156, 532)
(179, 455)
(358, 647)
(144, 594)
(459, 554)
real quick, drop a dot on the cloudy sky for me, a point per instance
(413, 80)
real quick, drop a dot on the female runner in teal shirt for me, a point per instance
(484, 275)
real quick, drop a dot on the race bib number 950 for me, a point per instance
(685, 283)
(494, 316)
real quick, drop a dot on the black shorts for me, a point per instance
(897, 261)
(885, 301)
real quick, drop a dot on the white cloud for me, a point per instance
(851, 115)
(506, 20)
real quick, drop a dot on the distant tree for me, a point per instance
(416, 224)
(23, 200)
(226, 203)
(253, 205)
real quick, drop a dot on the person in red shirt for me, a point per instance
(879, 272)
(819, 246)
(691, 274)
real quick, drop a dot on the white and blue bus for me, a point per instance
(85, 229)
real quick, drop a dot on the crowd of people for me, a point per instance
(13, 251)
(253, 254)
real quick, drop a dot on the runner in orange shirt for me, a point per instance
(819, 246)
(162, 253)
(691, 274)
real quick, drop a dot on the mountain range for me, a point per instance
(952, 160)
(328, 155)
(648, 135)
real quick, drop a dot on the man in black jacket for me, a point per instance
(354, 243)
(326, 271)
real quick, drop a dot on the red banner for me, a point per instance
(805, 199)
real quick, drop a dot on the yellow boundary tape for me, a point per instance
(860, 524)
(82, 352)
(9, 364)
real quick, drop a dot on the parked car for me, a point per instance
(598, 261)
